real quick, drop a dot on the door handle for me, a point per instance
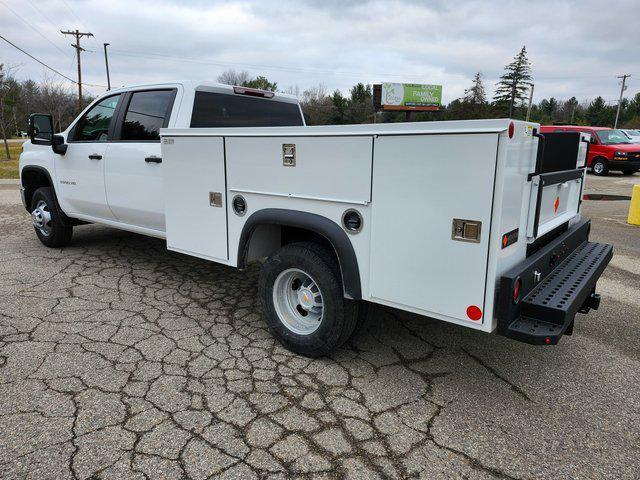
(153, 159)
(95, 156)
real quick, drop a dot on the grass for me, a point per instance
(9, 168)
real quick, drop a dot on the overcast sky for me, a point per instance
(575, 47)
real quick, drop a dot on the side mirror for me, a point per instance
(58, 146)
(41, 129)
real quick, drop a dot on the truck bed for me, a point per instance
(410, 181)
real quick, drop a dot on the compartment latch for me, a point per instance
(466, 230)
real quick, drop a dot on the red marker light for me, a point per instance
(516, 290)
(547, 340)
(512, 129)
(474, 313)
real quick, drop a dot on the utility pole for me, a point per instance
(624, 80)
(530, 102)
(106, 62)
(513, 95)
(79, 49)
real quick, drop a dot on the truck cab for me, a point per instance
(108, 165)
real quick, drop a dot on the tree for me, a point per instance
(231, 77)
(475, 94)
(317, 106)
(8, 94)
(514, 83)
(261, 83)
(473, 104)
(360, 104)
(339, 108)
(598, 114)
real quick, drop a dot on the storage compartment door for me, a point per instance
(422, 183)
(195, 196)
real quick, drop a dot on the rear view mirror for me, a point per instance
(41, 129)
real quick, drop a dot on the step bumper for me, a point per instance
(555, 284)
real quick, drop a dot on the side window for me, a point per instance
(147, 113)
(594, 137)
(94, 125)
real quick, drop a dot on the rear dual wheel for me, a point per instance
(302, 299)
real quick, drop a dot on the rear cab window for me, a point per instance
(212, 110)
(146, 114)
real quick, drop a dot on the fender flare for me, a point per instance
(330, 230)
(45, 172)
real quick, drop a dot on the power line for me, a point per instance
(44, 64)
(28, 24)
(158, 56)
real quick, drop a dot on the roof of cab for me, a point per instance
(195, 85)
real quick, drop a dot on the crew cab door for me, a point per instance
(133, 171)
(80, 171)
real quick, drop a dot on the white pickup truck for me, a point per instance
(471, 222)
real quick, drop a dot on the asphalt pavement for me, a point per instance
(119, 359)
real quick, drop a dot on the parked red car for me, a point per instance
(609, 149)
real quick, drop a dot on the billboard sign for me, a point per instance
(410, 96)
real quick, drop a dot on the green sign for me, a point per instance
(411, 95)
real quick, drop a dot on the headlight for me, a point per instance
(620, 154)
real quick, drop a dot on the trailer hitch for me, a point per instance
(591, 302)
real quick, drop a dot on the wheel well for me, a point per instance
(268, 230)
(32, 179)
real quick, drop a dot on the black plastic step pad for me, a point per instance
(563, 291)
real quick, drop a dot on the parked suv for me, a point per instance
(609, 149)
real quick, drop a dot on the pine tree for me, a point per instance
(476, 94)
(514, 84)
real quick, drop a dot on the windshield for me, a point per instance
(612, 137)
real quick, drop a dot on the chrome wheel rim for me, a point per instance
(41, 218)
(298, 301)
(598, 167)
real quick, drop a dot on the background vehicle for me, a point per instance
(633, 135)
(469, 222)
(609, 149)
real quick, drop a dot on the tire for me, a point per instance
(296, 279)
(600, 167)
(49, 223)
(629, 172)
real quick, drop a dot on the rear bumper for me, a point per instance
(556, 282)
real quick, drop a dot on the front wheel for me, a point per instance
(600, 167)
(302, 300)
(48, 221)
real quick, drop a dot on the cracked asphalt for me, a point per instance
(119, 359)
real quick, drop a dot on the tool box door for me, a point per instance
(195, 196)
(424, 186)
